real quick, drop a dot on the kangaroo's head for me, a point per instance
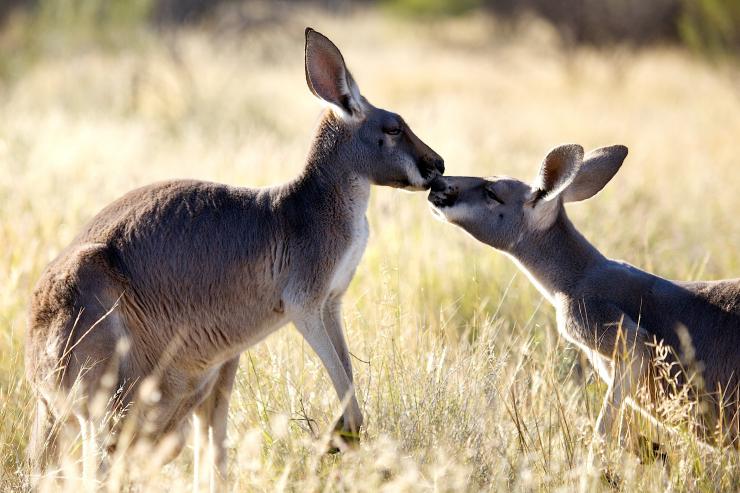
(375, 143)
(503, 211)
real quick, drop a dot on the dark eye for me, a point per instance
(492, 195)
(392, 130)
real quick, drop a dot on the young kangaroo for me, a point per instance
(189, 274)
(613, 311)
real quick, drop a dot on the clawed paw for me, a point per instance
(343, 439)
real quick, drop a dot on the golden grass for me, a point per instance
(463, 380)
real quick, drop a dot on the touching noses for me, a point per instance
(432, 165)
(443, 194)
(438, 184)
(439, 164)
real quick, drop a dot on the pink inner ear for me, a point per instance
(554, 168)
(325, 72)
(558, 167)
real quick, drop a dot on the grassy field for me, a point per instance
(462, 377)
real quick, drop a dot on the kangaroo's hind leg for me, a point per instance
(93, 375)
(48, 445)
(43, 445)
(73, 356)
(210, 431)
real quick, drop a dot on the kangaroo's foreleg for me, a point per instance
(628, 373)
(332, 317)
(617, 347)
(311, 326)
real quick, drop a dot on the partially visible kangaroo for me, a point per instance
(188, 274)
(613, 311)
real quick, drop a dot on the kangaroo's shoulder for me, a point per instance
(617, 279)
(660, 301)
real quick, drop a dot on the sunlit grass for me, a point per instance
(463, 380)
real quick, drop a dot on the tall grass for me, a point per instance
(463, 380)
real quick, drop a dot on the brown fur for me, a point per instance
(187, 274)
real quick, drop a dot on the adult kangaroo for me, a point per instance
(613, 311)
(188, 274)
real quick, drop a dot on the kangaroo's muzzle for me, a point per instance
(431, 168)
(441, 194)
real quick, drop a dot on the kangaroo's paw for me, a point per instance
(342, 438)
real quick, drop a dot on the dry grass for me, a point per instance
(464, 382)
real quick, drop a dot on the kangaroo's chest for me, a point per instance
(601, 364)
(344, 268)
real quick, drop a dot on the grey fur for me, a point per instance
(189, 274)
(599, 300)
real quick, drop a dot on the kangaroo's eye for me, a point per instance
(392, 130)
(492, 195)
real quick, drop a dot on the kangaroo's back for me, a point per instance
(708, 311)
(660, 302)
(723, 294)
(707, 315)
(174, 238)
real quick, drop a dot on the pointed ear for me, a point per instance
(556, 172)
(327, 75)
(599, 166)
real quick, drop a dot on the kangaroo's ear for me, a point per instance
(327, 75)
(557, 171)
(599, 166)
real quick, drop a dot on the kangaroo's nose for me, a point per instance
(438, 184)
(439, 163)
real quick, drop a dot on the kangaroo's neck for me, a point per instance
(557, 259)
(330, 181)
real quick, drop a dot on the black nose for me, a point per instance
(442, 195)
(438, 184)
(439, 163)
(430, 167)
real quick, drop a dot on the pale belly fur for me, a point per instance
(346, 266)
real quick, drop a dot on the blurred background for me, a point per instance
(463, 380)
(709, 26)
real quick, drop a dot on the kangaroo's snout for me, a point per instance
(430, 168)
(429, 164)
(439, 164)
(442, 194)
(438, 185)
